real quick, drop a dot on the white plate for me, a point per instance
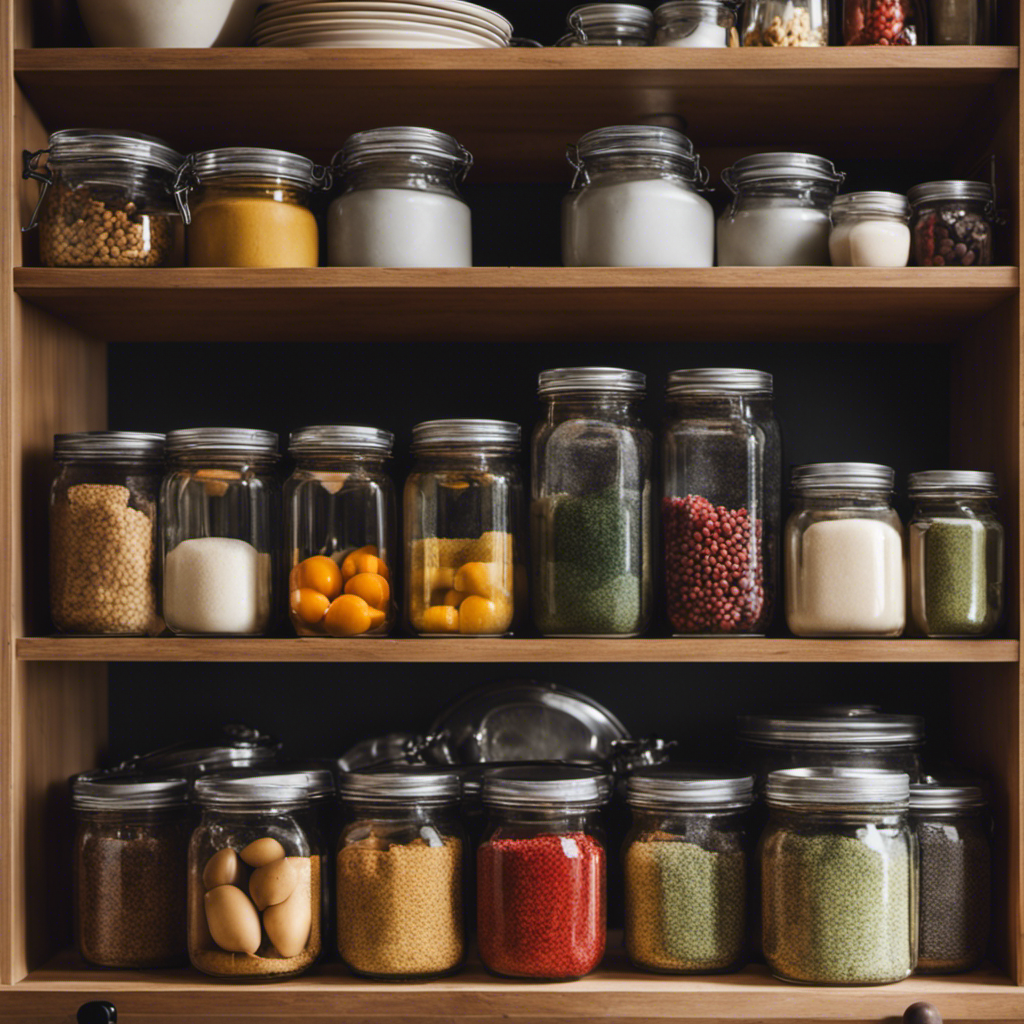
(374, 35)
(454, 6)
(384, 19)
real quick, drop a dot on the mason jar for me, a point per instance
(952, 223)
(702, 23)
(956, 553)
(685, 862)
(883, 23)
(786, 23)
(839, 875)
(635, 201)
(465, 571)
(779, 213)
(254, 880)
(591, 512)
(844, 552)
(103, 533)
(608, 25)
(220, 507)
(339, 512)
(541, 873)
(870, 229)
(720, 506)
(400, 204)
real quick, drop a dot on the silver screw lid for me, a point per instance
(804, 787)
(222, 440)
(946, 795)
(605, 379)
(249, 790)
(99, 445)
(826, 476)
(341, 440)
(782, 167)
(119, 790)
(317, 782)
(401, 784)
(952, 482)
(884, 204)
(852, 727)
(546, 785)
(933, 191)
(677, 787)
(718, 380)
(465, 434)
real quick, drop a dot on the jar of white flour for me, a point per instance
(870, 229)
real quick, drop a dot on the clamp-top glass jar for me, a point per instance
(786, 23)
(870, 229)
(883, 22)
(699, 23)
(608, 25)
(952, 223)
(635, 201)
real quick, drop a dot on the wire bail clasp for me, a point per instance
(572, 154)
(184, 181)
(30, 170)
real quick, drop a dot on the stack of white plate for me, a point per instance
(442, 24)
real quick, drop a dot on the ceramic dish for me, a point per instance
(457, 8)
(387, 21)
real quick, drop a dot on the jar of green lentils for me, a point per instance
(685, 862)
(839, 868)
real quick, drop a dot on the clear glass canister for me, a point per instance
(249, 208)
(870, 229)
(883, 23)
(635, 201)
(591, 507)
(703, 23)
(130, 854)
(400, 204)
(956, 553)
(720, 507)
(220, 507)
(254, 882)
(541, 872)
(839, 876)
(961, 22)
(339, 510)
(608, 25)
(103, 533)
(685, 862)
(786, 23)
(952, 223)
(400, 874)
(465, 571)
(844, 552)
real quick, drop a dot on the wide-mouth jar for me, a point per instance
(608, 24)
(786, 23)
(952, 223)
(870, 229)
(698, 23)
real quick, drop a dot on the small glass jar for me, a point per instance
(465, 572)
(541, 873)
(961, 22)
(591, 508)
(635, 201)
(882, 23)
(220, 508)
(105, 199)
(249, 207)
(844, 552)
(720, 506)
(130, 854)
(103, 533)
(339, 509)
(400, 204)
(956, 553)
(254, 884)
(701, 23)
(839, 876)
(685, 864)
(608, 25)
(870, 229)
(786, 23)
(952, 223)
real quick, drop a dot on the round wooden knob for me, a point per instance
(921, 1013)
(98, 1012)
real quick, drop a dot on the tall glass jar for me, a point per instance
(786, 23)
(952, 223)
(591, 516)
(339, 512)
(956, 553)
(465, 571)
(608, 25)
(839, 875)
(220, 506)
(720, 510)
(103, 533)
(701, 23)
(883, 23)
(870, 229)
(541, 873)
(635, 201)
(253, 881)
(844, 552)
(685, 864)
(400, 204)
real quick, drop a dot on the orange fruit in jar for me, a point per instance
(348, 615)
(453, 598)
(362, 562)
(440, 619)
(309, 606)
(486, 579)
(372, 588)
(478, 615)
(320, 573)
(377, 617)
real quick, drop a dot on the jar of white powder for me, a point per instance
(608, 25)
(844, 552)
(870, 229)
(220, 508)
(700, 23)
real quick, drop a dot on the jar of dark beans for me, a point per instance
(882, 23)
(952, 223)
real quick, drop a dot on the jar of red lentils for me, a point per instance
(541, 872)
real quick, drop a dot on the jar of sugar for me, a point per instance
(608, 25)
(635, 201)
(779, 214)
(870, 229)
(844, 552)
(700, 23)
(220, 509)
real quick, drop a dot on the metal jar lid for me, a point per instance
(317, 782)
(546, 785)
(104, 145)
(236, 746)
(940, 483)
(107, 445)
(829, 476)
(341, 440)
(954, 190)
(782, 167)
(467, 435)
(855, 727)
(809, 787)
(247, 791)
(604, 379)
(865, 204)
(672, 786)
(235, 441)
(718, 380)
(946, 795)
(402, 784)
(403, 142)
(637, 140)
(668, 12)
(609, 19)
(120, 790)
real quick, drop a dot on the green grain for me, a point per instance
(956, 577)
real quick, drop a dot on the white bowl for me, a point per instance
(168, 23)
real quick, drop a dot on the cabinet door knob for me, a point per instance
(921, 1013)
(98, 1012)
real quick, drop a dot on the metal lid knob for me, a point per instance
(98, 1012)
(921, 1013)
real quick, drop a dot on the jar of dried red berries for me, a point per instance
(883, 23)
(951, 223)
(720, 506)
(541, 872)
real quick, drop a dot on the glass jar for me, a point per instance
(702, 23)
(635, 201)
(254, 881)
(882, 23)
(105, 199)
(103, 533)
(249, 208)
(591, 504)
(720, 509)
(220, 507)
(779, 214)
(608, 25)
(541, 873)
(236, 747)
(954, 836)
(465, 571)
(685, 864)
(400, 204)
(130, 854)
(839, 875)
(339, 508)
(961, 22)
(786, 23)
(870, 229)
(952, 223)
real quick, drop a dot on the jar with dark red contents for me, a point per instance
(951, 223)
(541, 872)
(883, 23)
(720, 505)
